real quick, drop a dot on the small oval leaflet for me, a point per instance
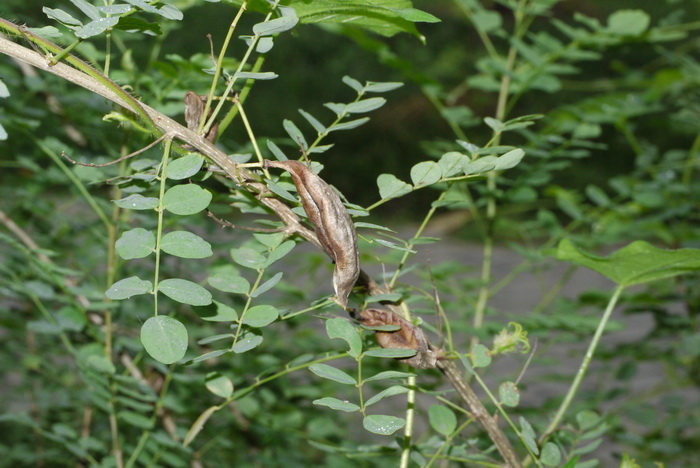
(185, 244)
(425, 173)
(218, 384)
(185, 291)
(136, 243)
(331, 373)
(132, 286)
(184, 167)
(442, 419)
(186, 199)
(383, 424)
(164, 338)
(336, 404)
(137, 202)
(391, 187)
(260, 316)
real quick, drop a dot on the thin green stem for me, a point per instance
(247, 306)
(446, 443)
(251, 137)
(320, 305)
(584, 365)
(233, 111)
(161, 210)
(219, 62)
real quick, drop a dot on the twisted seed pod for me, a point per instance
(409, 336)
(332, 224)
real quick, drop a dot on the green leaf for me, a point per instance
(185, 291)
(137, 243)
(386, 375)
(135, 419)
(382, 424)
(248, 257)
(481, 165)
(224, 313)
(96, 27)
(218, 384)
(198, 424)
(186, 199)
(396, 353)
(481, 356)
(425, 173)
(529, 436)
(137, 202)
(639, 262)
(628, 22)
(382, 87)
(494, 124)
(184, 167)
(295, 134)
(164, 338)
(551, 455)
(340, 328)
(391, 187)
(331, 373)
(587, 419)
(88, 9)
(276, 151)
(124, 289)
(267, 285)
(229, 282)
(61, 16)
(365, 105)
(509, 394)
(416, 16)
(442, 419)
(248, 341)
(275, 26)
(318, 126)
(185, 244)
(349, 125)
(256, 76)
(453, 163)
(336, 404)
(260, 316)
(509, 160)
(279, 252)
(391, 391)
(353, 83)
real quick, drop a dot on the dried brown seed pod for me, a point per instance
(332, 224)
(408, 336)
(194, 107)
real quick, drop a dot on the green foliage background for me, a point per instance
(611, 158)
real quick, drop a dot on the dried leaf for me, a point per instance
(194, 107)
(332, 223)
(408, 336)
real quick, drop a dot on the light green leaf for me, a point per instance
(453, 163)
(349, 125)
(275, 26)
(218, 384)
(198, 424)
(229, 282)
(382, 424)
(279, 252)
(481, 165)
(509, 394)
(481, 357)
(509, 160)
(295, 134)
(389, 375)
(336, 404)
(442, 419)
(639, 262)
(248, 257)
(276, 151)
(392, 187)
(136, 243)
(88, 9)
(184, 167)
(416, 16)
(185, 244)
(396, 353)
(186, 199)
(382, 87)
(393, 245)
(137, 202)
(256, 76)
(224, 313)
(628, 22)
(138, 420)
(247, 342)
(164, 338)
(551, 455)
(267, 285)
(340, 328)
(260, 316)
(61, 16)
(185, 291)
(365, 105)
(496, 125)
(132, 286)
(353, 83)
(93, 28)
(331, 373)
(425, 173)
(529, 435)
(313, 121)
(391, 391)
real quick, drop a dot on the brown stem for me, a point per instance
(479, 412)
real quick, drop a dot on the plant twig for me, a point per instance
(123, 158)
